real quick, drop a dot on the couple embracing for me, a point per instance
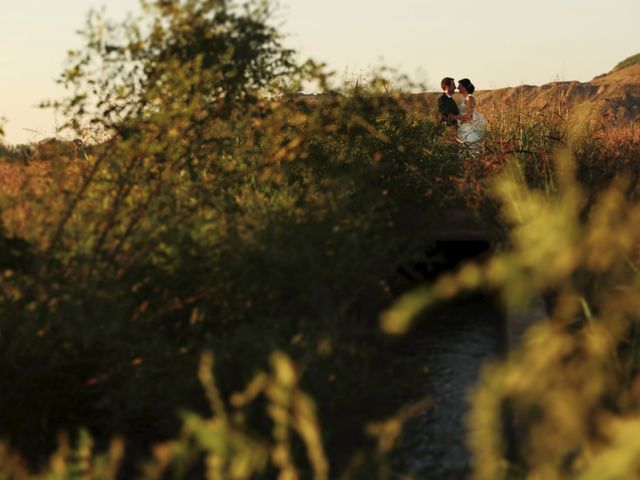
(471, 123)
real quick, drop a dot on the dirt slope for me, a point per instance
(615, 95)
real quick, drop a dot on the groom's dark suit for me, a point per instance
(447, 106)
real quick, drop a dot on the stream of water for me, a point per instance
(458, 340)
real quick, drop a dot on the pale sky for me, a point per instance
(495, 43)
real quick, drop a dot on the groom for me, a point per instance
(446, 104)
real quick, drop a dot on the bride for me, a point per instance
(471, 123)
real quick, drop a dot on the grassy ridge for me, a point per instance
(627, 62)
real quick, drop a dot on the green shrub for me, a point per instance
(218, 210)
(564, 403)
(627, 62)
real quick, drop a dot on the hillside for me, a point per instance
(627, 62)
(615, 95)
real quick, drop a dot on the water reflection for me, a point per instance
(457, 340)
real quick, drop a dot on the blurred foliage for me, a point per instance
(223, 446)
(564, 402)
(213, 206)
(571, 389)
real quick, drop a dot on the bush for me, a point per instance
(627, 62)
(218, 210)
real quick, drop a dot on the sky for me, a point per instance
(495, 43)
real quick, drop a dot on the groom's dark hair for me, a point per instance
(446, 81)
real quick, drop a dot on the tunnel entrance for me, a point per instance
(444, 256)
(456, 252)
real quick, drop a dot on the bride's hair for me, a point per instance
(466, 83)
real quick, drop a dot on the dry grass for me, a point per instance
(18, 180)
(44, 180)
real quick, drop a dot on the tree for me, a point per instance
(203, 58)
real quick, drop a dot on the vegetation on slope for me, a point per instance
(627, 62)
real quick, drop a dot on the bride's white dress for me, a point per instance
(472, 131)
